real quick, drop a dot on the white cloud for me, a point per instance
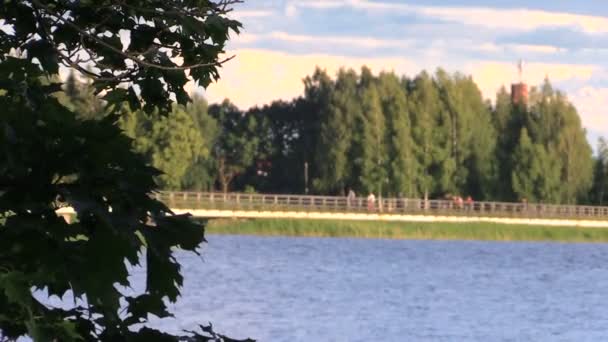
(291, 10)
(527, 49)
(242, 14)
(257, 77)
(324, 40)
(516, 19)
(490, 76)
(494, 18)
(365, 42)
(592, 105)
(434, 47)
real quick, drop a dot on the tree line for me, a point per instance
(429, 136)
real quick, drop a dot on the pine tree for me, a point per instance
(400, 145)
(424, 108)
(526, 172)
(553, 122)
(507, 125)
(337, 135)
(599, 190)
(373, 160)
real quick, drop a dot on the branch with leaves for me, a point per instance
(154, 46)
(52, 158)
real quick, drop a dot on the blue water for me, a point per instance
(304, 289)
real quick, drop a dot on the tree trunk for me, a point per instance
(224, 177)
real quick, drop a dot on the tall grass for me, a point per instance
(406, 230)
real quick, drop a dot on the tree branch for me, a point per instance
(126, 55)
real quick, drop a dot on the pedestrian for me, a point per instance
(469, 202)
(460, 202)
(350, 198)
(371, 199)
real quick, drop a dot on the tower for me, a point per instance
(519, 91)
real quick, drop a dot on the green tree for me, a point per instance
(280, 154)
(334, 165)
(373, 160)
(52, 159)
(201, 173)
(600, 178)
(402, 162)
(576, 156)
(535, 175)
(312, 110)
(479, 145)
(81, 98)
(424, 108)
(172, 145)
(450, 134)
(237, 143)
(553, 122)
(508, 122)
(526, 173)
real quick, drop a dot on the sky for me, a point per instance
(283, 40)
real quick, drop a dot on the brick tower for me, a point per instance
(519, 91)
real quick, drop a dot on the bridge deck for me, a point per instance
(239, 205)
(391, 209)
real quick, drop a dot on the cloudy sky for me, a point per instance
(283, 40)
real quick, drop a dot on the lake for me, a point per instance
(309, 289)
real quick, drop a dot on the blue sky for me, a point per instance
(283, 40)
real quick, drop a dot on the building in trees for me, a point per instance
(519, 91)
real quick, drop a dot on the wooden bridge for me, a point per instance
(239, 205)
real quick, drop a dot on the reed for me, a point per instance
(406, 230)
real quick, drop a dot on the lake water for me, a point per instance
(307, 289)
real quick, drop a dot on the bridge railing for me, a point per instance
(388, 206)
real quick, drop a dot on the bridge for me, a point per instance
(239, 205)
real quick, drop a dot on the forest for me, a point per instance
(430, 136)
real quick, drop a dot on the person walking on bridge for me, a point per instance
(371, 199)
(350, 198)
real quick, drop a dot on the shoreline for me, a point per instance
(406, 230)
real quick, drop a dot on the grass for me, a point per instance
(406, 230)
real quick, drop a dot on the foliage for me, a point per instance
(180, 145)
(200, 174)
(79, 97)
(424, 109)
(533, 176)
(135, 44)
(53, 158)
(432, 135)
(372, 160)
(172, 144)
(236, 144)
(400, 144)
(336, 131)
(599, 189)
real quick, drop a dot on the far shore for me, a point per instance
(406, 230)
